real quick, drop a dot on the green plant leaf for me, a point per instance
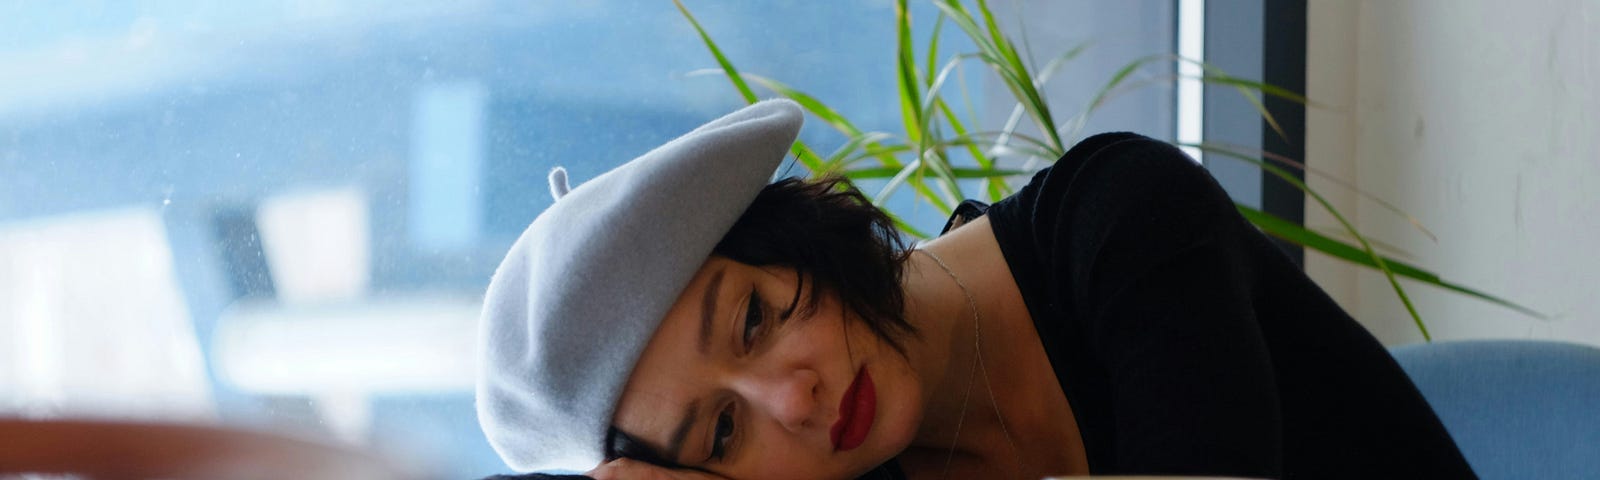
(900, 177)
(816, 107)
(937, 161)
(733, 73)
(933, 44)
(1365, 247)
(1287, 230)
(1216, 76)
(836, 160)
(803, 153)
(1040, 148)
(920, 129)
(1255, 152)
(995, 189)
(1211, 75)
(958, 14)
(1106, 89)
(937, 81)
(1020, 80)
(906, 72)
(807, 158)
(958, 172)
(925, 114)
(906, 227)
(1042, 78)
(934, 100)
(996, 51)
(1339, 249)
(1055, 64)
(967, 140)
(1379, 261)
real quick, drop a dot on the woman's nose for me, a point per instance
(789, 397)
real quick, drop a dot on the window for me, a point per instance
(1266, 41)
(288, 210)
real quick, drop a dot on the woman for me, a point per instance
(679, 317)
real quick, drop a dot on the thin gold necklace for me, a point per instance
(977, 364)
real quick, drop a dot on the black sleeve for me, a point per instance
(1143, 255)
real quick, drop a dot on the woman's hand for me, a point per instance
(629, 469)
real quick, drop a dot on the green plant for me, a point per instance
(927, 148)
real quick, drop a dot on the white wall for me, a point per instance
(1482, 119)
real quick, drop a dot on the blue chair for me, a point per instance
(1517, 409)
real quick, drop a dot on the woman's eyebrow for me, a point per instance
(675, 445)
(708, 309)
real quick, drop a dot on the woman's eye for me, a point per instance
(752, 319)
(719, 445)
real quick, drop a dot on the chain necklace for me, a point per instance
(977, 364)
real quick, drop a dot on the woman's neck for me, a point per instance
(958, 410)
(959, 407)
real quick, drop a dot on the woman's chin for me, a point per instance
(892, 435)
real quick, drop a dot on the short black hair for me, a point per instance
(834, 238)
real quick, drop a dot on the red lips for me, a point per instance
(856, 412)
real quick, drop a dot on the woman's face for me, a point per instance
(730, 386)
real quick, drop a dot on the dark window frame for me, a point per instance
(1265, 40)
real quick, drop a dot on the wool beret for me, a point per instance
(581, 292)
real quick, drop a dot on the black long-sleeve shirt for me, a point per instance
(1187, 343)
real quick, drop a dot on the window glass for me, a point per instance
(283, 213)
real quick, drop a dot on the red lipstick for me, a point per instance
(856, 412)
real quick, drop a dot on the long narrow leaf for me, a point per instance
(1350, 228)
(1217, 77)
(934, 101)
(958, 172)
(810, 103)
(1212, 75)
(1369, 257)
(1041, 79)
(1415, 223)
(1043, 148)
(933, 43)
(906, 227)
(905, 71)
(801, 151)
(958, 15)
(1287, 230)
(900, 179)
(996, 52)
(807, 158)
(1055, 64)
(939, 161)
(733, 73)
(836, 160)
(1019, 71)
(996, 189)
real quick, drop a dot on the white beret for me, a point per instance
(573, 304)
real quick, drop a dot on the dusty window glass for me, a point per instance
(283, 213)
